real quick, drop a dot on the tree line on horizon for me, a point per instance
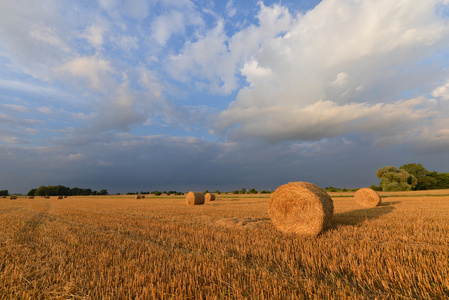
(60, 190)
(410, 177)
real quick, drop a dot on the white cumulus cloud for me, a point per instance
(341, 68)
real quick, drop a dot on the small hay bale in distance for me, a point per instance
(367, 197)
(195, 198)
(13, 197)
(31, 197)
(143, 196)
(138, 197)
(60, 197)
(209, 197)
(302, 208)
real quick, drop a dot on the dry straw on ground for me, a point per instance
(210, 197)
(367, 197)
(195, 198)
(302, 208)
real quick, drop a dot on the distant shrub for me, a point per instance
(252, 191)
(265, 192)
(375, 188)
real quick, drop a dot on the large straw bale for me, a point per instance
(367, 197)
(60, 197)
(195, 198)
(12, 197)
(138, 197)
(302, 208)
(210, 197)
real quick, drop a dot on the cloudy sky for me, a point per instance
(142, 95)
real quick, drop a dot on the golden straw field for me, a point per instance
(119, 247)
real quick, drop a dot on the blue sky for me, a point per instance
(134, 95)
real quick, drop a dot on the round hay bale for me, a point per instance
(210, 197)
(138, 197)
(301, 207)
(31, 197)
(195, 198)
(60, 197)
(367, 197)
(13, 197)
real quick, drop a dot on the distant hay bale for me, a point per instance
(31, 197)
(195, 198)
(65, 196)
(60, 197)
(209, 197)
(13, 197)
(367, 197)
(3, 196)
(302, 208)
(143, 196)
(46, 197)
(138, 197)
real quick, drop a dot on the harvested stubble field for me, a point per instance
(118, 247)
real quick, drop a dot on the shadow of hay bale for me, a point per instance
(358, 216)
(389, 203)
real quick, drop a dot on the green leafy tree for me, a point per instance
(375, 188)
(31, 192)
(243, 191)
(384, 170)
(252, 191)
(330, 189)
(41, 191)
(4, 193)
(442, 180)
(425, 179)
(392, 179)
